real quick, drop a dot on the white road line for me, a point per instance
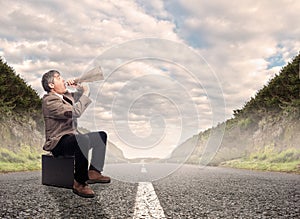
(146, 203)
(143, 170)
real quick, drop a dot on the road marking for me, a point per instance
(143, 169)
(146, 203)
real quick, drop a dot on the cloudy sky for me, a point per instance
(172, 68)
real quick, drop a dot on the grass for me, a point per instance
(25, 159)
(269, 159)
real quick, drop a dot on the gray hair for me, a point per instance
(48, 78)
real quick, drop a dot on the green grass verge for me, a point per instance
(269, 160)
(25, 159)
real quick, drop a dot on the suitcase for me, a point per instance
(58, 171)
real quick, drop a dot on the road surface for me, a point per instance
(189, 192)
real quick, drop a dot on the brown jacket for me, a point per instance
(61, 116)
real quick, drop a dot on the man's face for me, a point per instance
(59, 84)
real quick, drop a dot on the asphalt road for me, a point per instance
(189, 192)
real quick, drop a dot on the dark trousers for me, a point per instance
(79, 146)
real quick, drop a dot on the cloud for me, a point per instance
(149, 96)
(71, 32)
(238, 38)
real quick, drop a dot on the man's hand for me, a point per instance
(71, 82)
(86, 89)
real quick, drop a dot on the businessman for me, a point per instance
(61, 109)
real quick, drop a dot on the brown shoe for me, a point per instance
(83, 190)
(96, 177)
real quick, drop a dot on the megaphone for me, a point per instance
(92, 75)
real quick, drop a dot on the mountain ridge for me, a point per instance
(268, 121)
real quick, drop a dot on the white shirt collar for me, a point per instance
(61, 96)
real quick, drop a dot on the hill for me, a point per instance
(264, 134)
(19, 104)
(21, 125)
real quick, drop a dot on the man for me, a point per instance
(61, 110)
